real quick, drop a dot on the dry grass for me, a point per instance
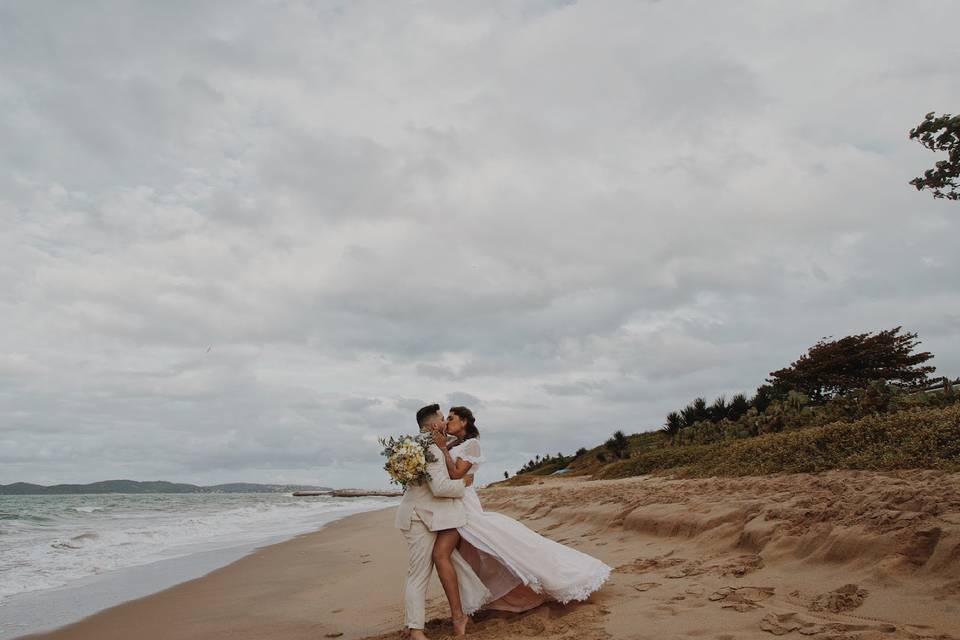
(920, 438)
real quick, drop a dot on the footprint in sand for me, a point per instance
(740, 566)
(642, 565)
(780, 624)
(646, 586)
(694, 568)
(847, 597)
(737, 567)
(742, 599)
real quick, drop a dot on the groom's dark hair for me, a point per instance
(427, 412)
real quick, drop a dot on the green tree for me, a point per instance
(506, 474)
(738, 407)
(762, 398)
(718, 410)
(700, 410)
(835, 367)
(672, 426)
(618, 444)
(940, 133)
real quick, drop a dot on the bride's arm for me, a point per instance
(457, 468)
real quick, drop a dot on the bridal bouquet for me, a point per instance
(407, 458)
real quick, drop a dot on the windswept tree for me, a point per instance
(940, 133)
(835, 367)
(618, 444)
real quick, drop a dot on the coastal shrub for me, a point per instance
(618, 445)
(926, 437)
(844, 379)
(795, 412)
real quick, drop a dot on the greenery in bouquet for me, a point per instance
(407, 458)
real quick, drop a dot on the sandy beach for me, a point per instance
(836, 555)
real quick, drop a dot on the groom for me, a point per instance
(424, 510)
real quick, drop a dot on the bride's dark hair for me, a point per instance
(466, 415)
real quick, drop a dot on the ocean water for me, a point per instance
(48, 543)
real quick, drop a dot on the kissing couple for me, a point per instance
(484, 560)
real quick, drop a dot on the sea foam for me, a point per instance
(51, 541)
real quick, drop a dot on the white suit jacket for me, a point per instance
(437, 503)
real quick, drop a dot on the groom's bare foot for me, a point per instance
(417, 634)
(460, 625)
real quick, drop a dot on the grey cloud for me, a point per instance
(438, 372)
(582, 215)
(578, 388)
(462, 398)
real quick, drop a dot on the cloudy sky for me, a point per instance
(242, 240)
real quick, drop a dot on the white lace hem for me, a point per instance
(580, 591)
(583, 590)
(470, 607)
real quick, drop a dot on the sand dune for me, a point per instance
(830, 556)
(835, 555)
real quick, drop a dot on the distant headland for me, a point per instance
(159, 486)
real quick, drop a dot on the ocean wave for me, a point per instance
(76, 537)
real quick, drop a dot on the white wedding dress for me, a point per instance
(520, 568)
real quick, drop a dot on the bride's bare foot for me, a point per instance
(460, 625)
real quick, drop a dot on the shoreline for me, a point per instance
(273, 590)
(853, 555)
(48, 610)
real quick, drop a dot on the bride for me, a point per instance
(520, 568)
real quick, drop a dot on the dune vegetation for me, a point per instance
(860, 402)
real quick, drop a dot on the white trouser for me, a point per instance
(420, 565)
